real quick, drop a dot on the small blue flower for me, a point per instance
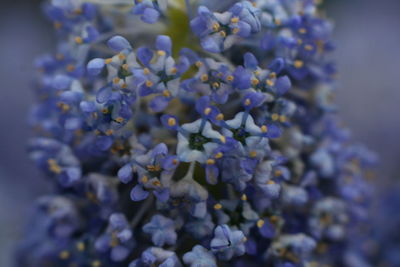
(228, 243)
(162, 230)
(199, 257)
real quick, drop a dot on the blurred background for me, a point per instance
(367, 36)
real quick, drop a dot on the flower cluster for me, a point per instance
(218, 150)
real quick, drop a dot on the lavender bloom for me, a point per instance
(208, 142)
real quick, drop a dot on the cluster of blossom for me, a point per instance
(222, 151)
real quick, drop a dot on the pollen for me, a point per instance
(204, 77)
(175, 161)
(119, 119)
(223, 139)
(260, 223)
(236, 30)
(217, 206)
(244, 197)
(171, 122)
(70, 67)
(264, 128)
(222, 33)
(298, 64)
(166, 93)
(253, 154)
(275, 116)
(199, 64)
(108, 60)
(219, 155)
(302, 30)
(174, 70)
(229, 78)
(255, 82)
(282, 118)
(149, 83)
(53, 166)
(234, 20)
(125, 66)
(270, 182)
(121, 56)
(278, 173)
(216, 27)
(57, 25)
(207, 111)
(146, 71)
(78, 40)
(64, 255)
(161, 53)
(219, 117)
(109, 132)
(308, 47)
(269, 82)
(80, 246)
(156, 183)
(210, 162)
(96, 263)
(247, 102)
(116, 80)
(144, 179)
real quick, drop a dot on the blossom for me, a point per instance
(161, 229)
(228, 243)
(199, 256)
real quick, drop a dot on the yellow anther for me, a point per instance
(270, 182)
(97, 132)
(146, 71)
(244, 197)
(57, 25)
(204, 77)
(78, 11)
(108, 60)
(274, 219)
(175, 161)
(247, 102)
(80, 246)
(153, 168)
(53, 166)
(272, 75)
(161, 53)
(256, 72)
(216, 27)
(219, 117)
(199, 64)
(275, 116)
(207, 111)
(299, 41)
(278, 173)
(223, 139)
(144, 179)
(244, 239)
(78, 40)
(149, 83)
(219, 155)
(119, 119)
(109, 132)
(236, 30)
(174, 70)
(269, 82)
(264, 128)
(260, 223)
(64, 255)
(222, 33)
(70, 67)
(302, 30)
(116, 80)
(298, 64)
(171, 122)
(216, 84)
(121, 56)
(210, 162)
(217, 206)
(63, 106)
(124, 86)
(308, 47)
(278, 22)
(166, 93)
(253, 153)
(156, 183)
(125, 66)
(234, 20)
(229, 78)
(104, 110)
(255, 82)
(96, 263)
(282, 118)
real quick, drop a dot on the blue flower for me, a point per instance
(228, 243)
(162, 230)
(199, 256)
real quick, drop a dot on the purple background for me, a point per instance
(367, 34)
